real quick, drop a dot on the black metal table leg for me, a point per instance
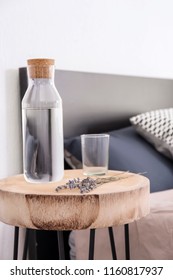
(112, 242)
(32, 244)
(26, 245)
(127, 243)
(61, 245)
(16, 242)
(91, 244)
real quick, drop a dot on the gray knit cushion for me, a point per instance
(157, 128)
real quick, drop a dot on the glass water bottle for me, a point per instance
(42, 125)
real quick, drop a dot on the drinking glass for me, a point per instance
(95, 153)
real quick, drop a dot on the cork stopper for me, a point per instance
(40, 68)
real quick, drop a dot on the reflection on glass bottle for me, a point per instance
(31, 154)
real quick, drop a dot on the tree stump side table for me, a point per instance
(40, 206)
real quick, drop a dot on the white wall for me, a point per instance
(131, 37)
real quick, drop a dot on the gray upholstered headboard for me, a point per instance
(101, 102)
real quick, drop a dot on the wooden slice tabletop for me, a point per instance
(40, 206)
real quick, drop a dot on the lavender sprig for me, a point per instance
(88, 184)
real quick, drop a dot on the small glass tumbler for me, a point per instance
(95, 154)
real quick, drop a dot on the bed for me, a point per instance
(96, 103)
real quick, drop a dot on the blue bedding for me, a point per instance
(129, 151)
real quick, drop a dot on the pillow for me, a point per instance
(157, 128)
(129, 151)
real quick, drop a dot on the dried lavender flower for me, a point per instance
(88, 184)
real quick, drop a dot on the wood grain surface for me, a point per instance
(39, 206)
